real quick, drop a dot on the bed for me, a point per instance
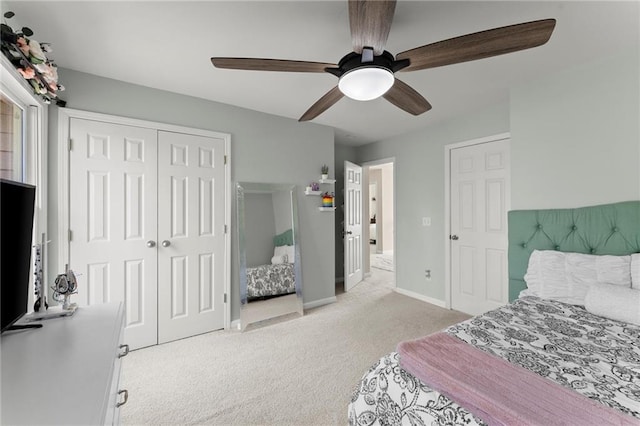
(545, 358)
(278, 277)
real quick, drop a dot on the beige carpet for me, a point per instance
(298, 371)
(382, 261)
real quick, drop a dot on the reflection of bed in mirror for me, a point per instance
(270, 278)
(276, 278)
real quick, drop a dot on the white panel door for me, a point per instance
(480, 199)
(352, 224)
(191, 252)
(113, 221)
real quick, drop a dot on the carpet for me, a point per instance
(290, 371)
(382, 261)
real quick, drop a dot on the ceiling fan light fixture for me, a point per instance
(366, 83)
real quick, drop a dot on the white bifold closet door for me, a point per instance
(191, 221)
(147, 227)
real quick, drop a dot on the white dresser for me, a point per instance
(66, 372)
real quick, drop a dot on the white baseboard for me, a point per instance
(235, 324)
(422, 297)
(321, 302)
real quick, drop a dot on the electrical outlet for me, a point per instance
(426, 221)
(427, 274)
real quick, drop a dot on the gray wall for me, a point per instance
(261, 148)
(282, 210)
(578, 134)
(575, 140)
(260, 228)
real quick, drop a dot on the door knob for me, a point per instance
(151, 244)
(454, 237)
(349, 232)
(166, 243)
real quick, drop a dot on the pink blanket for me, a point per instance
(498, 392)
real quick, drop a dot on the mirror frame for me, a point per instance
(243, 188)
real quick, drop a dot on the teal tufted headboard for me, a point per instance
(284, 239)
(605, 229)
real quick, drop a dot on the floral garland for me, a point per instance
(28, 56)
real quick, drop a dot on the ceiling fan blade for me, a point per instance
(406, 98)
(370, 22)
(323, 104)
(257, 64)
(483, 44)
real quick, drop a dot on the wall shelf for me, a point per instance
(329, 181)
(319, 193)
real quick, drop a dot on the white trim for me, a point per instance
(367, 165)
(236, 325)
(64, 119)
(63, 189)
(320, 302)
(227, 238)
(447, 204)
(379, 162)
(35, 119)
(127, 121)
(414, 295)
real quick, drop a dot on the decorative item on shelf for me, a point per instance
(64, 286)
(315, 186)
(325, 171)
(28, 56)
(327, 200)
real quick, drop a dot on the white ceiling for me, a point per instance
(168, 45)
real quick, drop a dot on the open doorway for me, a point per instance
(380, 205)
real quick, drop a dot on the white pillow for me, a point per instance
(545, 272)
(288, 252)
(635, 271)
(566, 277)
(614, 301)
(291, 253)
(280, 251)
(278, 259)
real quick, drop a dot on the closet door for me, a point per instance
(113, 221)
(191, 251)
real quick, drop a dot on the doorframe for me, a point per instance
(365, 213)
(64, 121)
(447, 203)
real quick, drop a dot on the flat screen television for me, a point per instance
(17, 201)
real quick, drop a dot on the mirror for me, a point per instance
(269, 252)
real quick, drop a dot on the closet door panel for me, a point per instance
(191, 235)
(113, 204)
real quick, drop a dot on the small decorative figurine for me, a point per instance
(65, 285)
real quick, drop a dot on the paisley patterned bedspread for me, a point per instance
(270, 280)
(592, 355)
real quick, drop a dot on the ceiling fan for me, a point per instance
(368, 72)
